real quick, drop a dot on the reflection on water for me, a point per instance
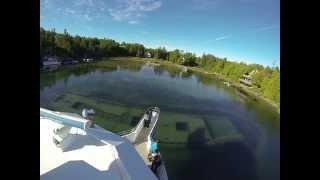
(206, 130)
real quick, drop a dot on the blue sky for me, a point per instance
(240, 30)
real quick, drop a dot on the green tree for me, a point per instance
(174, 56)
(271, 87)
(189, 59)
(266, 79)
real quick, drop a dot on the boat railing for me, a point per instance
(133, 133)
(67, 119)
(125, 132)
(154, 123)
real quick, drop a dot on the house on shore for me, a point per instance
(148, 55)
(246, 78)
(87, 60)
(183, 61)
(50, 63)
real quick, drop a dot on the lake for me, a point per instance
(206, 129)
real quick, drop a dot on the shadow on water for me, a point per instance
(173, 71)
(158, 70)
(134, 121)
(182, 126)
(79, 105)
(231, 160)
(133, 67)
(250, 131)
(186, 74)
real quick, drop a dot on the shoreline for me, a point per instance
(241, 88)
(238, 86)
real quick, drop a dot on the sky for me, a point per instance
(239, 30)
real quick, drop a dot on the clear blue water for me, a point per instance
(206, 130)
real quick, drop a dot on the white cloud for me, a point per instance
(70, 11)
(148, 7)
(223, 37)
(133, 22)
(247, 1)
(205, 4)
(44, 4)
(144, 32)
(84, 3)
(87, 17)
(131, 10)
(265, 28)
(118, 14)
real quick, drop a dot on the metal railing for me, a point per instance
(65, 119)
(132, 134)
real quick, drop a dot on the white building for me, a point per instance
(87, 60)
(246, 78)
(148, 54)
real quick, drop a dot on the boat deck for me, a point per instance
(140, 143)
(93, 153)
(143, 152)
(146, 131)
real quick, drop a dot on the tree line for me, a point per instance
(266, 80)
